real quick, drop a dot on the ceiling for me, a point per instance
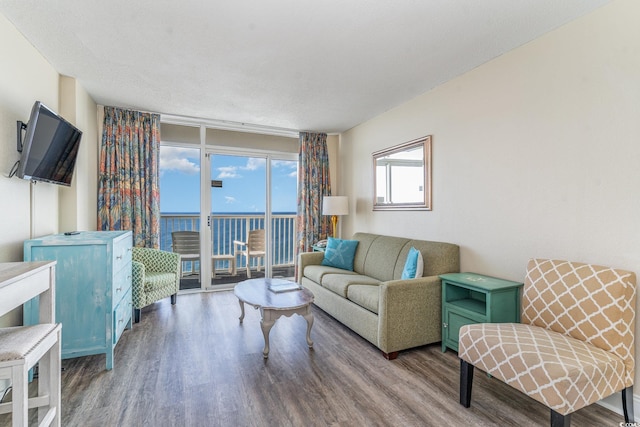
(320, 65)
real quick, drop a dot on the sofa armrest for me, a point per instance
(308, 258)
(410, 313)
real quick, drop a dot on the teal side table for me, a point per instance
(469, 298)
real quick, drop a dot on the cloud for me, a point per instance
(179, 159)
(254, 163)
(228, 172)
(229, 200)
(287, 164)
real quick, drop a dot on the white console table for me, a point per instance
(24, 347)
(21, 281)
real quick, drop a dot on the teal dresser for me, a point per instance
(469, 298)
(93, 289)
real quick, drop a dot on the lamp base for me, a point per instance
(334, 225)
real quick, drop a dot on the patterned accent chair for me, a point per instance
(574, 345)
(156, 275)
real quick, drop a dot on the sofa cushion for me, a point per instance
(316, 272)
(339, 283)
(366, 296)
(385, 254)
(339, 253)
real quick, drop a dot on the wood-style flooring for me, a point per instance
(194, 364)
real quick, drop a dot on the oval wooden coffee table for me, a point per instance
(272, 305)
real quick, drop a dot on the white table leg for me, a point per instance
(266, 323)
(241, 310)
(308, 316)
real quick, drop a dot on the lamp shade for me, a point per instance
(335, 205)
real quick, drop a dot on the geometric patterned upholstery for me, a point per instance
(156, 275)
(591, 303)
(575, 344)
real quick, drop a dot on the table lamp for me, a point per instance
(334, 206)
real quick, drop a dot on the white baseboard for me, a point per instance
(614, 403)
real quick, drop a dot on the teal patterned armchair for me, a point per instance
(156, 275)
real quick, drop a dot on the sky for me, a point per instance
(243, 183)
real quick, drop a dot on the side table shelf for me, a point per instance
(469, 298)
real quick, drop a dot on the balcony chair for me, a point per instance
(574, 345)
(156, 275)
(187, 244)
(254, 247)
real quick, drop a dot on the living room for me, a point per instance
(535, 153)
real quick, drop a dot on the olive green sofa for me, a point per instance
(373, 300)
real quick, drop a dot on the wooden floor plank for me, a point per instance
(194, 364)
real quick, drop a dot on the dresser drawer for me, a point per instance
(121, 283)
(121, 254)
(122, 316)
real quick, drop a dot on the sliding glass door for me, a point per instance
(252, 218)
(238, 217)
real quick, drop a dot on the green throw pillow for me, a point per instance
(340, 253)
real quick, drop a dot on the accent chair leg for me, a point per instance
(627, 405)
(559, 420)
(391, 356)
(174, 298)
(466, 381)
(136, 315)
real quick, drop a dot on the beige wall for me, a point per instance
(25, 76)
(78, 203)
(251, 141)
(535, 154)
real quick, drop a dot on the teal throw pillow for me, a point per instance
(340, 253)
(414, 265)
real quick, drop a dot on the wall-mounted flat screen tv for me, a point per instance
(49, 148)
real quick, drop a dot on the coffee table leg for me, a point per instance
(308, 316)
(241, 310)
(266, 323)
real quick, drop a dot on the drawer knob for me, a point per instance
(118, 289)
(445, 325)
(119, 257)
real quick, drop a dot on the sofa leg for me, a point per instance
(390, 356)
(627, 405)
(466, 382)
(559, 420)
(174, 297)
(136, 315)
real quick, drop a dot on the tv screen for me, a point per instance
(49, 148)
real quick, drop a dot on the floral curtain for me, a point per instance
(128, 181)
(313, 184)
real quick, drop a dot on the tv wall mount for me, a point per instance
(21, 127)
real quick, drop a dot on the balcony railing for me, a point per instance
(225, 228)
